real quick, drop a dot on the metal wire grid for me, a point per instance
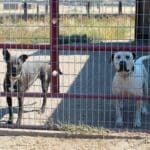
(87, 74)
(15, 29)
(96, 74)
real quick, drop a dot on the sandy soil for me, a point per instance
(43, 143)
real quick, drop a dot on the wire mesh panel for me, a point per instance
(26, 25)
(91, 31)
(77, 38)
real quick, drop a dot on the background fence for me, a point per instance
(38, 9)
(79, 40)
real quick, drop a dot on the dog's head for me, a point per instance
(14, 64)
(123, 61)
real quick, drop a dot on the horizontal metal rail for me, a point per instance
(31, 127)
(76, 96)
(24, 46)
(102, 47)
(63, 134)
(79, 47)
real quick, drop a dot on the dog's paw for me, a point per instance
(145, 111)
(119, 122)
(137, 123)
(9, 122)
(42, 110)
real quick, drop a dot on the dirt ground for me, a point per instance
(17, 139)
(44, 143)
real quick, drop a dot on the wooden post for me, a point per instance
(142, 21)
(88, 8)
(99, 8)
(37, 11)
(120, 8)
(25, 7)
(46, 9)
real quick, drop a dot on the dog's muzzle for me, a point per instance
(14, 73)
(16, 77)
(123, 67)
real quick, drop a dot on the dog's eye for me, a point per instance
(18, 63)
(127, 57)
(118, 57)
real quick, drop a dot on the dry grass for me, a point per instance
(105, 28)
(83, 129)
(25, 32)
(97, 29)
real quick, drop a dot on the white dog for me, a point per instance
(131, 79)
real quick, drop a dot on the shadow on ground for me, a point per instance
(4, 111)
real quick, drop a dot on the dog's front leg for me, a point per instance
(119, 119)
(9, 102)
(137, 122)
(45, 80)
(44, 104)
(20, 111)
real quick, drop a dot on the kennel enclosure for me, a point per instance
(87, 67)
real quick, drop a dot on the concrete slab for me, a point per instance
(84, 73)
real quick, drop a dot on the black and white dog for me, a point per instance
(131, 79)
(20, 75)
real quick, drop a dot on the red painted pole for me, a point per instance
(76, 96)
(78, 47)
(54, 20)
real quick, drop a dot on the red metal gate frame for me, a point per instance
(54, 47)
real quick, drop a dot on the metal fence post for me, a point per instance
(142, 23)
(54, 17)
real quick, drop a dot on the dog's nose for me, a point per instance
(13, 72)
(122, 63)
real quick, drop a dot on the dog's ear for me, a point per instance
(134, 55)
(6, 55)
(23, 57)
(111, 58)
